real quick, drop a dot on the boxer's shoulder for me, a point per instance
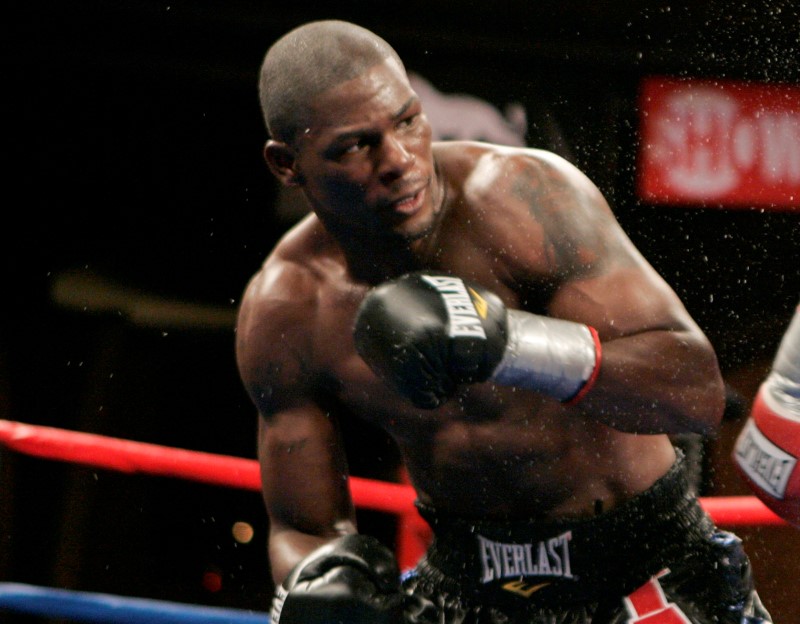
(296, 269)
(487, 163)
(525, 208)
(519, 184)
(274, 333)
(279, 304)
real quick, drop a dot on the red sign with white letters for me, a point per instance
(719, 142)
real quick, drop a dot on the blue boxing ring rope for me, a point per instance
(107, 608)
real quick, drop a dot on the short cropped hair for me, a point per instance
(309, 60)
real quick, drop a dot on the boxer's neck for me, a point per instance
(374, 261)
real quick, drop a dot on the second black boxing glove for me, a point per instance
(352, 580)
(426, 333)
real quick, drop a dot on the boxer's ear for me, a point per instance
(281, 159)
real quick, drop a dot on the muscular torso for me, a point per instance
(490, 450)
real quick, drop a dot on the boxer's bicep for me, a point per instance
(622, 299)
(659, 372)
(273, 347)
(600, 277)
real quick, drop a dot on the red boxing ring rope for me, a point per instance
(140, 457)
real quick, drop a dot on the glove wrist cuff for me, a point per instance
(557, 357)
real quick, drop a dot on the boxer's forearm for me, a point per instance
(658, 382)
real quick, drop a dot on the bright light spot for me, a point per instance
(242, 532)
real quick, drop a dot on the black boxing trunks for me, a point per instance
(656, 559)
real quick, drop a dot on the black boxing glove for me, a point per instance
(352, 580)
(425, 334)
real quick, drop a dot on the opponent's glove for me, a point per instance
(352, 580)
(425, 334)
(767, 449)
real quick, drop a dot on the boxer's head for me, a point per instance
(347, 127)
(308, 61)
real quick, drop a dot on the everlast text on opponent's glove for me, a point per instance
(352, 580)
(426, 333)
(767, 450)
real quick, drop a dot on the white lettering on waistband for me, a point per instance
(550, 557)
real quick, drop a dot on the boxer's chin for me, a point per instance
(417, 227)
(416, 231)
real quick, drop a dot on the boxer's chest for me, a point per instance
(363, 394)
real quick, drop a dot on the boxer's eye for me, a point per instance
(408, 122)
(346, 148)
(355, 147)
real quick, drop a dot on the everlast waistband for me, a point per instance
(566, 562)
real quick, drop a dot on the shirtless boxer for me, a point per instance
(537, 440)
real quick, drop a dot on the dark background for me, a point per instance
(133, 155)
